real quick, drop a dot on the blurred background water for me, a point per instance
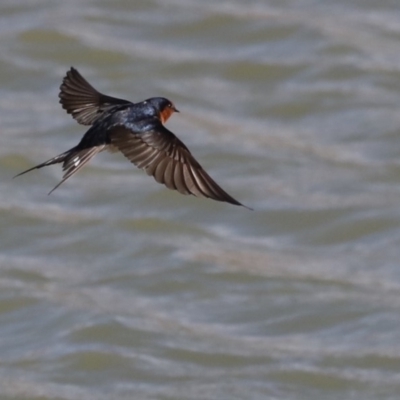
(114, 287)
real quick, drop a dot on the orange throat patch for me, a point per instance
(165, 114)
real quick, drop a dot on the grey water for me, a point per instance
(114, 287)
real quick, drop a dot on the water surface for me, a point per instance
(115, 287)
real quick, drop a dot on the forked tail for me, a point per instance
(55, 160)
(73, 160)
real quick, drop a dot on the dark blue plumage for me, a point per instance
(138, 131)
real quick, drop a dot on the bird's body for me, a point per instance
(135, 129)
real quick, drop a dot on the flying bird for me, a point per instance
(135, 129)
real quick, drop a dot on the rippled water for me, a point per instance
(115, 288)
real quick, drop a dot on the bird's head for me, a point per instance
(164, 107)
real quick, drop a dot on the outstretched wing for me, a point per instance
(80, 99)
(161, 154)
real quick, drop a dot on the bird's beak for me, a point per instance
(176, 110)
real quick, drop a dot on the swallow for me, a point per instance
(136, 130)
